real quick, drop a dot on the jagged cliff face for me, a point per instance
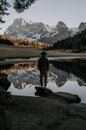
(82, 26)
(29, 31)
(41, 32)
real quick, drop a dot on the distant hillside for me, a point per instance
(76, 43)
(19, 42)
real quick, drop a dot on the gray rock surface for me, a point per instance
(6, 101)
(42, 113)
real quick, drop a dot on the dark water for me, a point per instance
(75, 67)
(71, 76)
(73, 79)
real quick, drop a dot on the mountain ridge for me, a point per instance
(38, 31)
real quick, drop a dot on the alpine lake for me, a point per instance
(65, 75)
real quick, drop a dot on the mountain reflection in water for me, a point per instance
(75, 67)
(65, 75)
(64, 69)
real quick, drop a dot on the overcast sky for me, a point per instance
(50, 12)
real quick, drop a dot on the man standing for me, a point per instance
(43, 66)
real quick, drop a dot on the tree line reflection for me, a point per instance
(76, 67)
(18, 66)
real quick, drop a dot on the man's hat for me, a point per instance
(43, 53)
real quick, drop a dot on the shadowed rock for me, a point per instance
(44, 92)
(4, 83)
(60, 96)
(6, 101)
(42, 113)
(67, 97)
(5, 98)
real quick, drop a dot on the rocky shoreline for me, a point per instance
(50, 111)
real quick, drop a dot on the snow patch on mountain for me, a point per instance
(41, 32)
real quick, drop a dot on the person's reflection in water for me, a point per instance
(43, 66)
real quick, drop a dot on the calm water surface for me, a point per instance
(64, 75)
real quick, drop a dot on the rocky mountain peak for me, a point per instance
(20, 21)
(61, 26)
(82, 26)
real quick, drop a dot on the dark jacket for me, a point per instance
(43, 64)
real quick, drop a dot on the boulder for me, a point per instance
(42, 91)
(67, 97)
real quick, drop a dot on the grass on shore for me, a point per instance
(7, 51)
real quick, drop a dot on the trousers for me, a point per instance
(43, 78)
